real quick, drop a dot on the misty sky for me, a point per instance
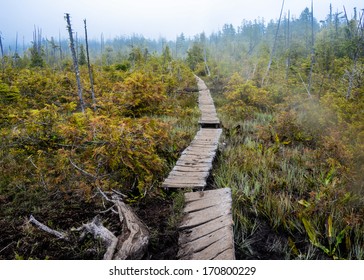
(150, 18)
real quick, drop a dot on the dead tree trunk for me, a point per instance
(288, 59)
(75, 62)
(274, 45)
(359, 38)
(60, 47)
(2, 54)
(89, 69)
(312, 53)
(207, 69)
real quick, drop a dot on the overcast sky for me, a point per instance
(150, 18)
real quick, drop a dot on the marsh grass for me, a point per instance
(287, 202)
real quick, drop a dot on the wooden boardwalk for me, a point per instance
(207, 225)
(194, 165)
(206, 105)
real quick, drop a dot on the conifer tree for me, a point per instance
(82, 56)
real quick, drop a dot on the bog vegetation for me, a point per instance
(54, 158)
(290, 97)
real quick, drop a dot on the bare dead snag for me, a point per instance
(75, 62)
(312, 53)
(274, 46)
(89, 68)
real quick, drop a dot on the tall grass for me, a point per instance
(287, 202)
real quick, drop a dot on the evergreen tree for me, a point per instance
(36, 51)
(82, 56)
(195, 55)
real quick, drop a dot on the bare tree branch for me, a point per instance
(43, 227)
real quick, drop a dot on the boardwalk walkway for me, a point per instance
(206, 231)
(206, 104)
(195, 163)
(207, 226)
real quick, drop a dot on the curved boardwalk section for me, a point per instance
(207, 225)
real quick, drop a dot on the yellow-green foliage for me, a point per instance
(244, 98)
(126, 143)
(295, 167)
(141, 94)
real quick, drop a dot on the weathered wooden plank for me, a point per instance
(193, 156)
(207, 149)
(229, 254)
(206, 203)
(206, 132)
(202, 243)
(193, 161)
(197, 165)
(185, 180)
(183, 186)
(180, 168)
(207, 194)
(213, 250)
(211, 130)
(196, 151)
(188, 235)
(203, 216)
(175, 173)
(209, 118)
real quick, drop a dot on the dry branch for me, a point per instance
(43, 227)
(81, 170)
(99, 231)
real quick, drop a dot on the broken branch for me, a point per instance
(43, 227)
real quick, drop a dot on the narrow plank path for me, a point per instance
(193, 167)
(207, 226)
(206, 230)
(206, 104)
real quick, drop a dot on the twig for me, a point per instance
(104, 195)
(119, 193)
(43, 227)
(7, 246)
(308, 92)
(31, 161)
(109, 209)
(83, 171)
